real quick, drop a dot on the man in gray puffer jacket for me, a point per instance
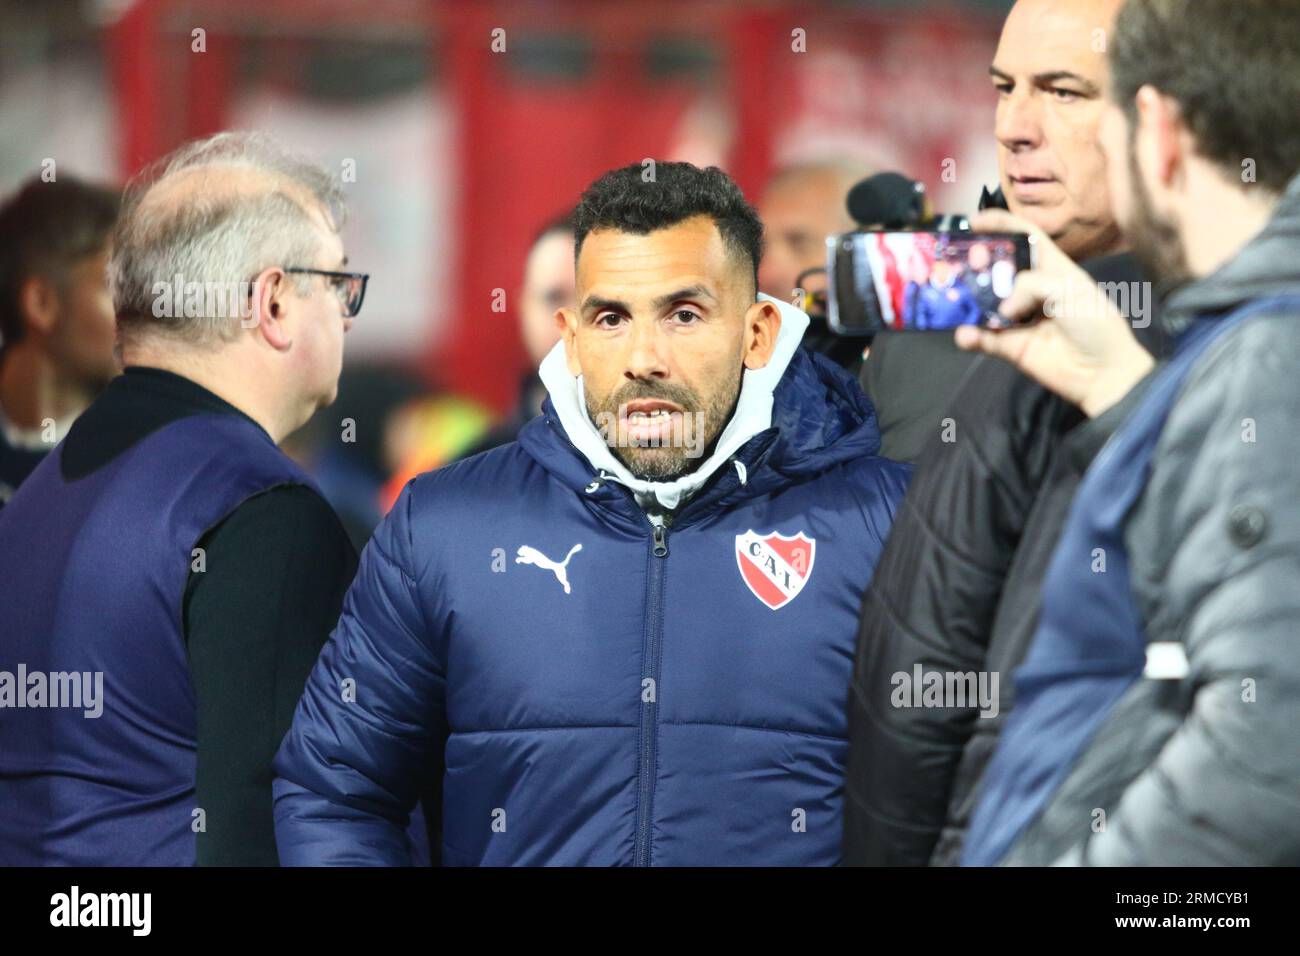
(1158, 715)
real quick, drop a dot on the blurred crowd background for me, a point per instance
(464, 131)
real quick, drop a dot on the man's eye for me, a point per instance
(609, 320)
(1003, 88)
(685, 316)
(1065, 96)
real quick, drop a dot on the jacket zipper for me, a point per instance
(650, 709)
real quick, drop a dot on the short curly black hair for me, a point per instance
(642, 197)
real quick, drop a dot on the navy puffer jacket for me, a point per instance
(586, 689)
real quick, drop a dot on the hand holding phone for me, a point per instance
(1078, 344)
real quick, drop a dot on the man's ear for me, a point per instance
(762, 323)
(270, 309)
(1162, 136)
(39, 301)
(567, 320)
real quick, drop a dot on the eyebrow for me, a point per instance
(597, 304)
(690, 292)
(1052, 76)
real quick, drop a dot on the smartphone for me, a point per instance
(921, 281)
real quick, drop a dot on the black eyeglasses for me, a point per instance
(350, 287)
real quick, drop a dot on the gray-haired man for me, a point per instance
(168, 574)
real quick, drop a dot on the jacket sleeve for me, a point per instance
(1225, 787)
(931, 603)
(370, 722)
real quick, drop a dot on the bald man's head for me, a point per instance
(227, 268)
(801, 206)
(215, 214)
(222, 183)
(1050, 74)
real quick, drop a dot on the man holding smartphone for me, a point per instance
(1160, 698)
(956, 591)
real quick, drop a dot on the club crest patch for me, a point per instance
(775, 567)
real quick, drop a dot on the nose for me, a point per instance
(645, 358)
(1019, 122)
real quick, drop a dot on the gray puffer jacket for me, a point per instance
(1205, 770)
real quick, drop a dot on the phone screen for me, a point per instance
(921, 281)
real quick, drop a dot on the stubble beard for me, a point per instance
(671, 460)
(1154, 239)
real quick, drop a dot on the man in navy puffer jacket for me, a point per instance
(619, 645)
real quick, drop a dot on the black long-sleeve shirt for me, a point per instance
(255, 618)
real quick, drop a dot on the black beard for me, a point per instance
(1154, 240)
(666, 463)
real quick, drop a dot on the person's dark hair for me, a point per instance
(46, 228)
(1234, 68)
(629, 200)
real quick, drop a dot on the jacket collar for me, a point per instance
(1266, 265)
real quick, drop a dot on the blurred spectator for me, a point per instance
(802, 205)
(56, 316)
(428, 433)
(348, 448)
(548, 287)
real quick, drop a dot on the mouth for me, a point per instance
(1028, 188)
(650, 420)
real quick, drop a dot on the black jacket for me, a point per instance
(957, 591)
(912, 378)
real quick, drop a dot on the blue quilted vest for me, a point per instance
(92, 579)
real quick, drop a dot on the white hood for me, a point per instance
(753, 414)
